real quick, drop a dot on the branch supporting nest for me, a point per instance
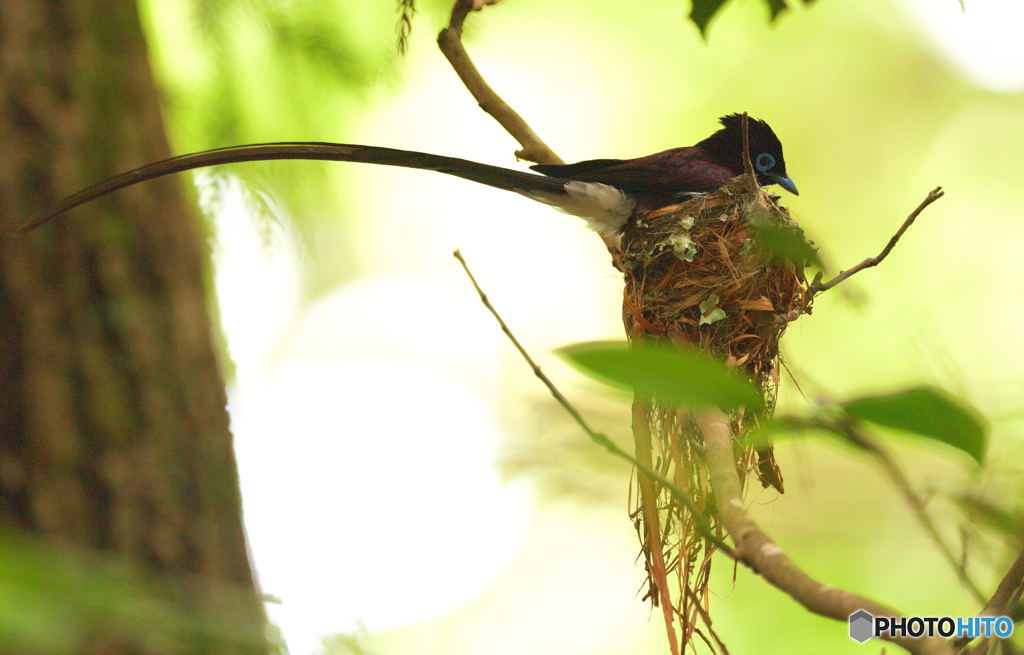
(755, 549)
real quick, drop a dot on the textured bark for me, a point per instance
(113, 430)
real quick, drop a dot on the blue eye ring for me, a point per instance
(764, 162)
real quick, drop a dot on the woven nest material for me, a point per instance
(699, 274)
(696, 275)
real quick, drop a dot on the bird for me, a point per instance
(604, 192)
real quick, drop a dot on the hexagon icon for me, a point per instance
(862, 626)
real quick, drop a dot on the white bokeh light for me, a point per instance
(370, 495)
(983, 40)
(366, 450)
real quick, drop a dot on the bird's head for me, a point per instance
(726, 147)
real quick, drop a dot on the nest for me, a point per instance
(701, 274)
(696, 275)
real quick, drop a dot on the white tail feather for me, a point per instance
(604, 208)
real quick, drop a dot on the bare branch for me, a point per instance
(755, 549)
(450, 42)
(706, 618)
(818, 286)
(601, 439)
(533, 147)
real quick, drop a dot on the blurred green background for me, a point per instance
(409, 485)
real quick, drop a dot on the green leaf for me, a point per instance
(671, 375)
(776, 7)
(784, 242)
(927, 412)
(703, 11)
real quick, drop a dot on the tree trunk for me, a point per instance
(113, 430)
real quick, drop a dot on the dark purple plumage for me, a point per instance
(658, 179)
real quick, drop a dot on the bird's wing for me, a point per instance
(568, 170)
(672, 171)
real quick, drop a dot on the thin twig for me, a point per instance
(450, 42)
(818, 286)
(602, 440)
(748, 167)
(706, 618)
(866, 441)
(756, 549)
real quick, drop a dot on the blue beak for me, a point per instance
(785, 183)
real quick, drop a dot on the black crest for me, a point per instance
(726, 145)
